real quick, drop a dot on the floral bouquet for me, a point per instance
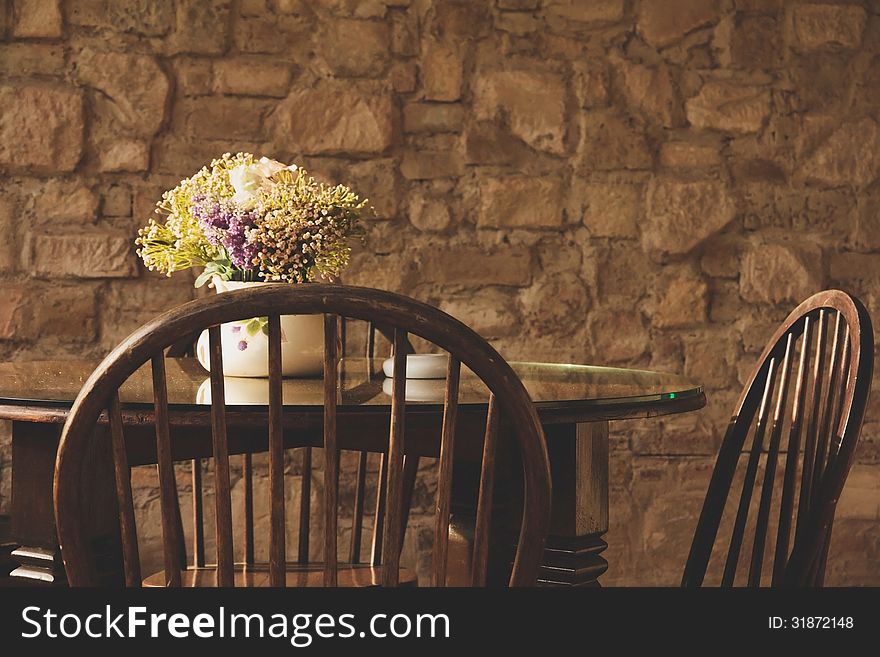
(248, 222)
(253, 220)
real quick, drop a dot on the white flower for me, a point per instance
(247, 180)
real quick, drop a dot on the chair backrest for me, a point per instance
(185, 347)
(100, 393)
(811, 384)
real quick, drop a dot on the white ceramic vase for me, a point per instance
(246, 346)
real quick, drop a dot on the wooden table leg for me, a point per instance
(579, 514)
(33, 514)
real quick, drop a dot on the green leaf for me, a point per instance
(222, 268)
(253, 327)
(203, 278)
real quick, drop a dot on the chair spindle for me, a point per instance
(277, 544)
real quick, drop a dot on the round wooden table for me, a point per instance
(574, 402)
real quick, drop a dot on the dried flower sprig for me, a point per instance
(243, 219)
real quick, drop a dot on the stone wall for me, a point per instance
(629, 182)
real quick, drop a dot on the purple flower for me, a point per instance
(242, 345)
(236, 329)
(226, 224)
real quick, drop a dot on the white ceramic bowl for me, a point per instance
(419, 390)
(420, 366)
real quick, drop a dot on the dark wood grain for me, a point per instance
(444, 473)
(305, 506)
(394, 480)
(826, 413)
(378, 539)
(792, 459)
(198, 515)
(277, 526)
(247, 473)
(169, 504)
(331, 451)
(357, 515)
(122, 476)
(763, 518)
(222, 485)
(479, 567)
(404, 316)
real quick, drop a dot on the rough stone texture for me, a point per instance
(586, 11)
(649, 90)
(516, 202)
(683, 301)
(251, 78)
(612, 209)
(777, 273)
(41, 127)
(662, 22)
(817, 26)
(37, 18)
(849, 156)
(61, 202)
(133, 88)
(441, 71)
(355, 48)
(82, 255)
(644, 183)
(534, 103)
(683, 214)
(730, 107)
(335, 116)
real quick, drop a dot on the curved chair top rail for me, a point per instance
(858, 325)
(826, 426)
(359, 303)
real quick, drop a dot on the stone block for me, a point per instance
(618, 335)
(610, 142)
(850, 156)
(37, 18)
(22, 59)
(41, 127)
(355, 48)
(473, 266)
(520, 202)
(611, 209)
(433, 117)
(82, 255)
(781, 272)
(441, 71)
(335, 117)
(532, 101)
(130, 155)
(729, 107)
(556, 305)
(251, 77)
(60, 202)
(429, 214)
(663, 22)
(818, 26)
(427, 165)
(681, 214)
(133, 88)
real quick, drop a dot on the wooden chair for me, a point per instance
(811, 384)
(186, 347)
(100, 393)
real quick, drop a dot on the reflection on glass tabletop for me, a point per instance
(56, 383)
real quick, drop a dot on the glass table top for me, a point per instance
(557, 385)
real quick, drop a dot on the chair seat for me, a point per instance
(298, 576)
